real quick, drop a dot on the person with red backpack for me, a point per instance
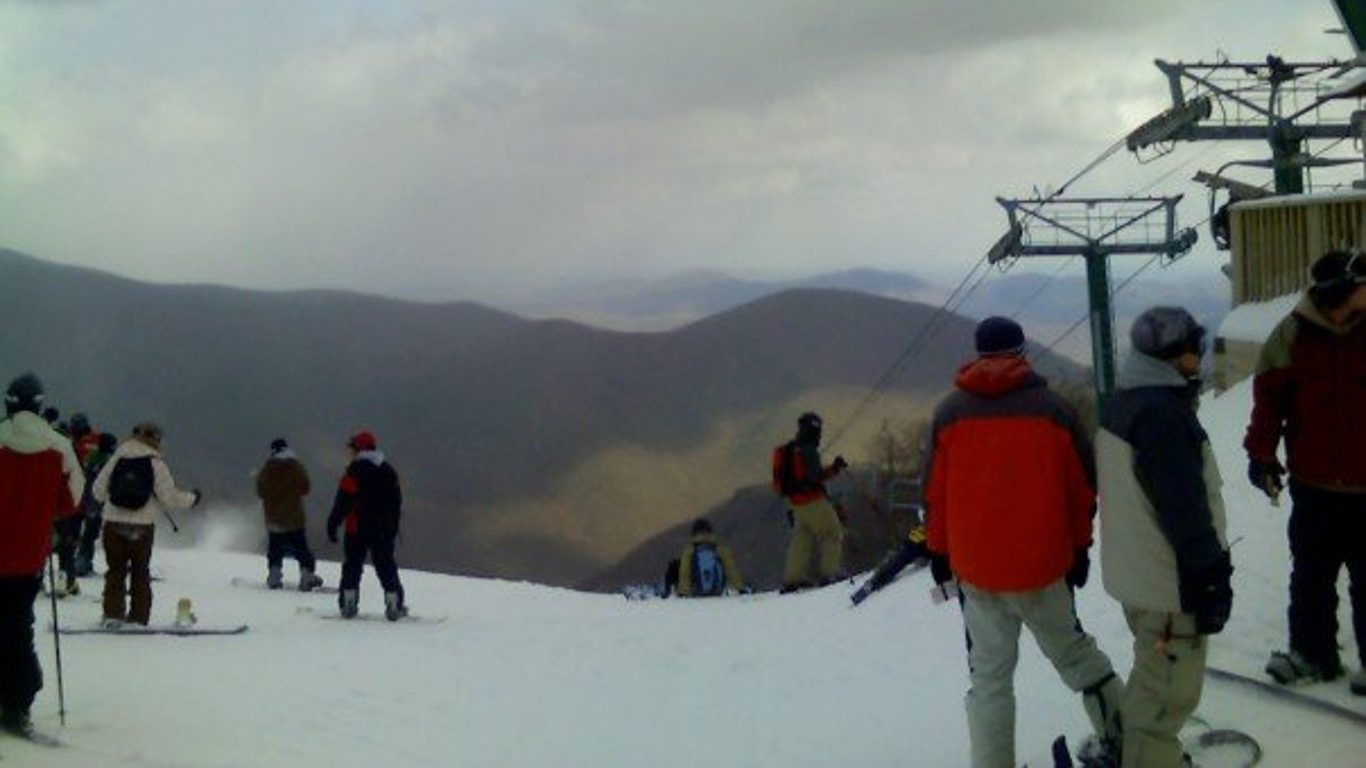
(39, 477)
(707, 568)
(817, 525)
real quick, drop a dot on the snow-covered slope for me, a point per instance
(522, 675)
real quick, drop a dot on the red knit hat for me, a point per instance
(362, 441)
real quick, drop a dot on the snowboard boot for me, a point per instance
(349, 603)
(111, 623)
(83, 566)
(1293, 668)
(394, 609)
(1358, 682)
(1098, 753)
(308, 580)
(73, 587)
(275, 578)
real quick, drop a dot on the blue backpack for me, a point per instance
(708, 575)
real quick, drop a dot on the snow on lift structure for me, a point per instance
(1094, 229)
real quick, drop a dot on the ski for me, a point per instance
(245, 583)
(166, 629)
(1288, 695)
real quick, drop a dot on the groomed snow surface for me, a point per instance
(521, 675)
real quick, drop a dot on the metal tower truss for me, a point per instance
(1094, 228)
(1283, 103)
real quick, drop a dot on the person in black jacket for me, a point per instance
(369, 503)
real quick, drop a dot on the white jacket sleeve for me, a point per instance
(166, 491)
(75, 478)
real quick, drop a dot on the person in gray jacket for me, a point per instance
(1163, 544)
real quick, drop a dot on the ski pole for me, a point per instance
(56, 640)
(174, 528)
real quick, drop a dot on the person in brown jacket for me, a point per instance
(282, 485)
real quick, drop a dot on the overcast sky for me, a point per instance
(444, 150)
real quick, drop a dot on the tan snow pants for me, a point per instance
(1164, 686)
(815, 529)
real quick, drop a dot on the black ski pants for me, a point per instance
(1327, 531)
(20, 675)
(289, 543)
(380, 549)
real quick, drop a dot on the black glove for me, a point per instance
(197, 496)
(1266, 476)
(1207, 594)
(939, 568)
(839, 464)
(1080, 570)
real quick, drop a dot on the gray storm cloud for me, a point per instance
(433, 150)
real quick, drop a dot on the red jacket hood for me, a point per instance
(995, 376)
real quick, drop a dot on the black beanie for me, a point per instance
(999, 336)
(24, 394)
(1336, 275)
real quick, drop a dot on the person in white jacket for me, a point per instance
(136, 488)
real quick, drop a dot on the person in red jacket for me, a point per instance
(39, 479)
(1310, 389)
(1010, 496)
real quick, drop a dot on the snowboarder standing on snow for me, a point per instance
(369, 502)
(1162, 524)
(817, 528)
(1009, 494)
(282, 485)
(707, 568)
(136, 487)
(1310, 389)
(39, 477)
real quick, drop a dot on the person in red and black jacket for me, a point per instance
(369, 503)
(1310, 389)
(39, 479)
(1010, 497)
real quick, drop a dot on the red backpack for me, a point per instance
(784, 483)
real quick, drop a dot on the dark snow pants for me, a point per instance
(381, 551)
(289, 543)
(1327, 531)
(20, 675)
(128, 580)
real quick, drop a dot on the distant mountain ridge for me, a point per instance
(543, 450)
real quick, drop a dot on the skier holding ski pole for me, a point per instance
(39, 477)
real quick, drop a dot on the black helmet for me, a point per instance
(1336, 275)
(79, 424)
(810, 421)
(24, 394)
(108, 442)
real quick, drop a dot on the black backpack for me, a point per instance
(131, 483)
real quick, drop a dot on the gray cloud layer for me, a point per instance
(443, 150)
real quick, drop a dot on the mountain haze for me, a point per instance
(543, 450)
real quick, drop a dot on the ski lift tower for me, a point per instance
(1094, 228)
(1286, 104)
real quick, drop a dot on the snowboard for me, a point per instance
(245, 583)
(1208, 748)
(411, 618)
(191, 630)
(1313, 696)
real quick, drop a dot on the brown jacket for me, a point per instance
(282, 485)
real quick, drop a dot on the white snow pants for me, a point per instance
(993, 621)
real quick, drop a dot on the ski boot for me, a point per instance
(394, 609)
(73, 587)
(308, 580)
(17, 724)
(1358, 682)
(275, 578)
(1293, 668)
(349, 603)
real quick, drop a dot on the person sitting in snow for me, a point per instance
(1164, 549)
(281, 484)
(133, 501)
(1310, 389)
(707, 568)
(369, 503)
